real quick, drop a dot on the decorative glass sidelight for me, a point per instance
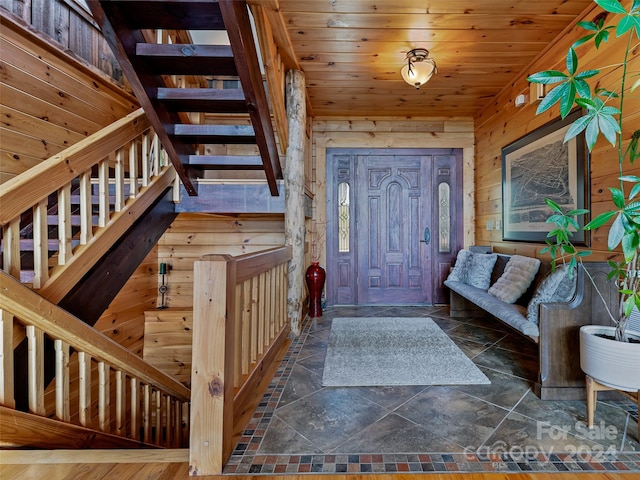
(444, 218)
(344, 217)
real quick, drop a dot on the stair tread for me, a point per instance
(193, 129)
(208, 100)
(183, 59)
(216, 134)
(168, 14)
(227, 162)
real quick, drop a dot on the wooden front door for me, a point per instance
(392, 229)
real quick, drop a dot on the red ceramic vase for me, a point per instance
(315, 277)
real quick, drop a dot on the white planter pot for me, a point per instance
(613, 364)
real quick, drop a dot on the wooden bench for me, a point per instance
(559, 373)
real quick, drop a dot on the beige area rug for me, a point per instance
(395, 351)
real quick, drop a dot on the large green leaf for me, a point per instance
(592, 132)
(588, 103)
(588, 74)
(576, 212)
(572, 61)
(615, 233)
(602, 36)
(588, 25)
(567, 99)
(600, 220)
(551, 98)
(547, 77)
(626, 24)
(633, 208)
(607, 94)
(583, 40)
(628, 305)
(583, 88)
(576, 128)
(553, 205)
(609, 127)
(632, 150)
(617, 196)
(629, 246)
(611, 6)
(609, 111)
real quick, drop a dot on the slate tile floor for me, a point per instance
(301, 426)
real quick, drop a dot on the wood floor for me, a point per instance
(173, 465)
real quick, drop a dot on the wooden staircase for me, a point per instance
(127, 26)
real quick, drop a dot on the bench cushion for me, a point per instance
(473, 269)
(516, 278)
(555, 287)
(511, 314)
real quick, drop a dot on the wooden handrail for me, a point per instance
(22, 192)
(253, 264)
(32, 309)
(107, 181)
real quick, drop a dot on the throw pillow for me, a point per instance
(555, 287)
(459, 271)
(480, 269)
(516, 278)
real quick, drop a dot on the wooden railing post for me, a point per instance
(212, 371)
(64, 225)
(40, 245)
(11, 250)
(35, 337)
(86, 209)
(84, 376)
(62, 381)
(7, 397)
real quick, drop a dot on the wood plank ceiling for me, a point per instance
(352, 50)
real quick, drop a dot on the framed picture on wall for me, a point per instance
(541, 165)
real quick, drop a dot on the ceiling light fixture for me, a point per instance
(420, 67)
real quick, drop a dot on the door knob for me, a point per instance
(427, 236)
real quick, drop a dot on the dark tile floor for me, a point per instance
(301, 426)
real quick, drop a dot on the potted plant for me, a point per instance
(604, 116)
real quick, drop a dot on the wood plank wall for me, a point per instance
(501, 123)
(195, 234)
(51, 98)
(71, 26)
(123, 321)
(387, 132)
(189, 237)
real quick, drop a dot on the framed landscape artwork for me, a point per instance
(541, 165)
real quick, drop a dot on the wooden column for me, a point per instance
(212, 368)
(294, 194)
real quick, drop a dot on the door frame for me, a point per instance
(334, 295)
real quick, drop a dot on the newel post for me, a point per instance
(214, 286)
(294, 194)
